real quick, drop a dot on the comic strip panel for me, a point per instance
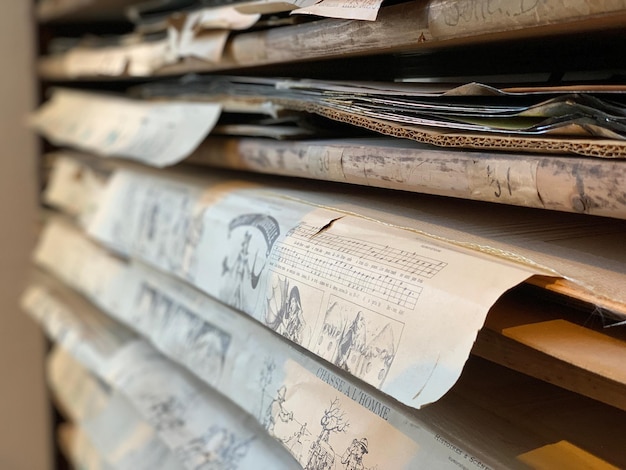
(358, 340)
(284, 312)
(250, 240)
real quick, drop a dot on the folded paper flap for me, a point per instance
(571, 246)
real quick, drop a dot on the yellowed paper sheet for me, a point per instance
(298, 399)
(222, 18)
(187, 415)
(135, 57)
(78, 448)
(146, 57)
(207, 45)
(108, 61)
(109, 422)
(157, 133)
(74, 188)
(398, 310)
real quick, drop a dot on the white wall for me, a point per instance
(24, 414)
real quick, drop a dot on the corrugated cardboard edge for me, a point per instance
(602, 148)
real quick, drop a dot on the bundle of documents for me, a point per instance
(295, 394)
(545, 119)
(193, 422)
(170, 31)
(581, 123)
(205, 318)
(384, 298)
(166, 131)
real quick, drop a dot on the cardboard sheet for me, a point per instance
(563, 454)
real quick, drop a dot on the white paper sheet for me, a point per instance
(179, 407)
(348, 9)
(388, 305)
(291, 394)
(156, 133)
(128, 442)
(80, 395)
(92, 339)
(84, 264)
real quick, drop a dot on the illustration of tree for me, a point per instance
(322, 455)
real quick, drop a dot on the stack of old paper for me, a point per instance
(164, 132)
(168, 32)
(314, 409)
(577, 253)
(405, 341)
(539, 119)
(384, 297)
(401, 26)
(211, 319)
(181, 423)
